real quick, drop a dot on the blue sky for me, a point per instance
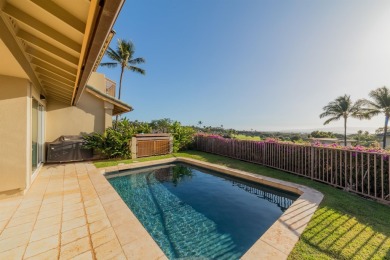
(253, 64)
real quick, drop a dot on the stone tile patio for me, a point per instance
(72, 212)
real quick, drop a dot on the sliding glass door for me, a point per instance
(37, 126)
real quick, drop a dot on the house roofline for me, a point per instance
(120, 107)
(105, 19)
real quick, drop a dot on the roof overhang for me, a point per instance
(119, 106)
(58, 43)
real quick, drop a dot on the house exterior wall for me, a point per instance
(61, 119)
(98, 81)
(108, 114)
(15, 135)
(90, 115)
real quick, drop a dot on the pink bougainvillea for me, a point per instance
(356, 149)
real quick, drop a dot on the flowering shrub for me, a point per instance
(357, 148)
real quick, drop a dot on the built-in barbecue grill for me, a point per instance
(68, 148)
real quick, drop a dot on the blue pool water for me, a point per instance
(192, 212)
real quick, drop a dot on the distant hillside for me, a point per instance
(337, 130)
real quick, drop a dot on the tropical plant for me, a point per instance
(161, 125)
(123, 56)
(364, 138)
(343, 107)
(111, 144)
(380, 104)
(322, 134)
(379, 131)
(114, 142)
(182, 136)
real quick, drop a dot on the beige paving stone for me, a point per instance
(280, 237)
(264, 251)
(92, 202)
(22, 220)
(73, 207)
(108, 250)
(69, 202)
(3, 224)
(73, 223)
(49, 213)
(103, 237)
(102, 190)
(28, 211)
(5, 214)
(127, 232)
(52, 206)
(75, 248)
(29, 204)
(119, 217)
(48, 255)
(95, 217)
(14, 242)
(41, 246)
(142, 249)
(108, 197)
(84, 256)
(72, 214)
(16, 230)
(94, 209)
(11, 202)
(55, 194)
(74, 234)
(51, 200)
(121, 256)
(99, 225)
(90, 195)
(16, 253)
(45, 232)
(114, 205)
(42, 223)
(72, 195)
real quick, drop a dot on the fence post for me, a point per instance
(133, 148)
(311, 161)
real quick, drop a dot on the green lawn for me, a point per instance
(246, 137)
(345, 226)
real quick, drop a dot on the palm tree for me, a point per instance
(380, 104)
(123, 56)
(343, 107)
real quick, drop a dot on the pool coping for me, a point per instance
(279, 240)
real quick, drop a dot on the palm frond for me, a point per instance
(336, 118)
(381, 97)
(113, 55)
(327, 113)
(109, 64)
(137, 61)
(136, 69)
(123, 56)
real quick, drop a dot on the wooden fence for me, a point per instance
(361, 172)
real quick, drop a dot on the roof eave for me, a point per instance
(119, 106)
(105, 19)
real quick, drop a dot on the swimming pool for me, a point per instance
(195, 212)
